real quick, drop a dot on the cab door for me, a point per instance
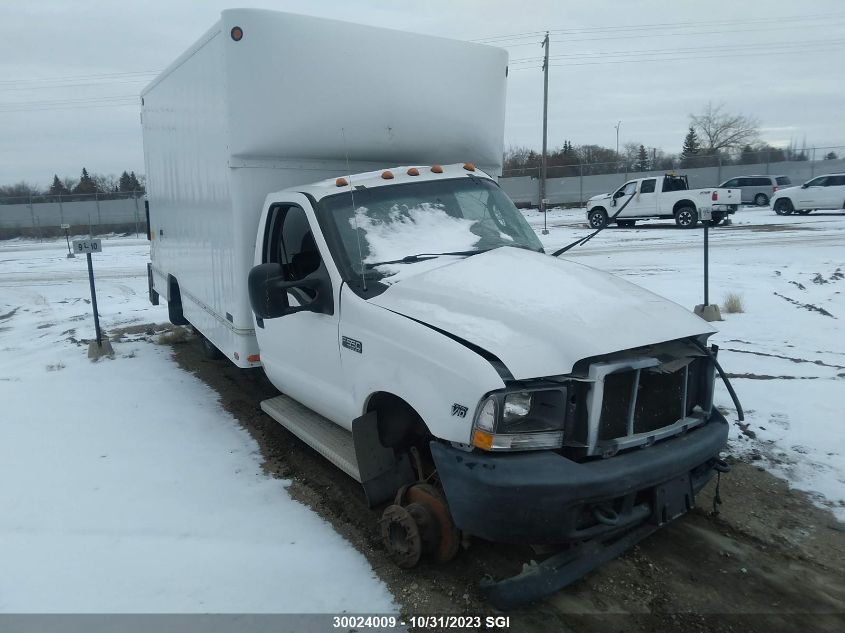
(646, 198)
(300, 351)
(622, 195)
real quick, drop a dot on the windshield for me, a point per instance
(463, 215)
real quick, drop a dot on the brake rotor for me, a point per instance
(401, 536)
(442, 537)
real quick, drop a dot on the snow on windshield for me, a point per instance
(409, 230)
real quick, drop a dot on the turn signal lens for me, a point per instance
(341, 182)
(254, 358)
(482, 439)
(387, 175)
(436, 169)
(413, 171)
(469, 166)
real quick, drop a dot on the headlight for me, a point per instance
(521, 420)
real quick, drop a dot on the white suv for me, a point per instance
(824, 192)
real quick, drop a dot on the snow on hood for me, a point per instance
(601, 196)
(538, 314)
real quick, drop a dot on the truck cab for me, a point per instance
(658, 197)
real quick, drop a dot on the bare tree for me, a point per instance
(724, 132)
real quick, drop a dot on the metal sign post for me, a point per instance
(706, 311)
(66, 228)
(89, 246)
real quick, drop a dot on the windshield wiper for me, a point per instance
(421, 257)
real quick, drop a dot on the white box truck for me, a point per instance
(420, 338)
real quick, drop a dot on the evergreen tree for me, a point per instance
(831, 156)
(125, 182)
(134, 185)
(58, 188)
(691, 148)
(748, 156)
(85, 185)
(642, 159)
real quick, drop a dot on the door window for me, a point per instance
(647, 186)
(290, 242)
(818, 182)
(835, 181)
(732, 183)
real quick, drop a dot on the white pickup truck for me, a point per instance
(658, 197)
(418, 335)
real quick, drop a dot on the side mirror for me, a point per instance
(804, 186)
(268, 291)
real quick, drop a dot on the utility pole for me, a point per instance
(617, 144)
(543, 165)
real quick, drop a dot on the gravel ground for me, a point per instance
(770, 561)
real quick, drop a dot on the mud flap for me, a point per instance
(382, 471)
(540, 580)
(152, 292)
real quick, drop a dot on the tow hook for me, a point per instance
(605, 515)
(721, 466)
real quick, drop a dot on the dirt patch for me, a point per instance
(806, 306)
(770, 561)
(9, 314)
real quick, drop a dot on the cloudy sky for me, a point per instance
(70, 72)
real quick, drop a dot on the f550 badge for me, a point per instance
(351, 343)
(459, 410)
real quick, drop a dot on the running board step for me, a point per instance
(327, 438)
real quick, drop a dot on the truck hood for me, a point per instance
(538, 314)
(601, 196)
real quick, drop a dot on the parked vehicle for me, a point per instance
(823, 192)
(668, 196)
(757, 189)
(408, 315)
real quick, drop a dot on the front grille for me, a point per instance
(641, 401)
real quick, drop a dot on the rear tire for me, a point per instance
(784, 206)
(761, 200)
(717, 218)
(686, 217)
(598, 218)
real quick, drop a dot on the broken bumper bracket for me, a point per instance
(539, 580)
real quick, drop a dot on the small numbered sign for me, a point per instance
(65, 226)
(89, 245)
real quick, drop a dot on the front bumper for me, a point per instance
(545, 498)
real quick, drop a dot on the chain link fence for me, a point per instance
(573, 184)
(42, 216)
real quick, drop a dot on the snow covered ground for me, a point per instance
(786, 351)
(125, 486)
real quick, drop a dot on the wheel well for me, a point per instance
(599, 209)
(174, 302)
(399, 425)
(682, 203)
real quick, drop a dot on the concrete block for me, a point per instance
(708, 312)
(97, 352)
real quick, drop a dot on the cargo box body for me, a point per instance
(295, 100)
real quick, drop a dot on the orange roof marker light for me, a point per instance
(413, 171)
(436, 169)
(387, 174)
(469, 166)
(341, 182)
(237, 33)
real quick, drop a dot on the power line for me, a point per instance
(77, 77)
(675, 59)
(640, 27)
(685, 51)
